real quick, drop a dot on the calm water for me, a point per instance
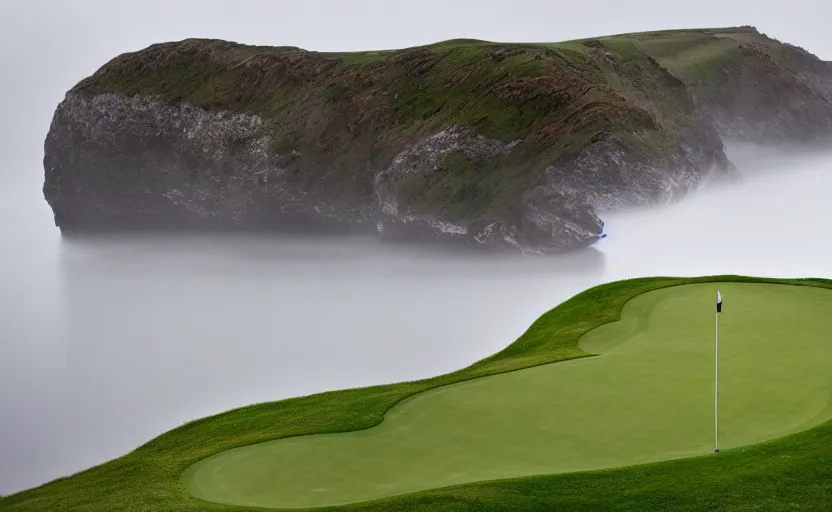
(108, 343)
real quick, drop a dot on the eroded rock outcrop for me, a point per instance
(515, 147)
(114, 162)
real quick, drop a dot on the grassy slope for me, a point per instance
(345, 110)
(648, 398)
(787, 474)
(750, 76)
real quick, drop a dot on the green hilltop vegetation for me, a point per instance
(787, 473)
(338, 112)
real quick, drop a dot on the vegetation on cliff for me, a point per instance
(469, 138)
(334, 112)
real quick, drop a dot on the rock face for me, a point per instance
(115, 163)
(624, 181)
(334, 160)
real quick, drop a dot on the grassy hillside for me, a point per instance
(756, 87)
(793, 473)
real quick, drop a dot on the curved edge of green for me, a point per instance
(151, 476)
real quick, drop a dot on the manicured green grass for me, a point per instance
(791, 473)
(649, 397)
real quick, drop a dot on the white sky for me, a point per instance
(48, 46)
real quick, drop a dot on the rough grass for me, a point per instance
(280, 144)
(457, 86)
(695, 61)
(793, 473)
(450, 192)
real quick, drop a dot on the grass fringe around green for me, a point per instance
(792, 473)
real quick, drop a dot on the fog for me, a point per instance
(110, 342)
(107, 343)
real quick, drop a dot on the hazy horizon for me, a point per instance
(108, 343)
(111, 341)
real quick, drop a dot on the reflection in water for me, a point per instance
(108, 342)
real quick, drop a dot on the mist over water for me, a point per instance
(772, 223)
(109, 342)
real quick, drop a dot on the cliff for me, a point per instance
(497, 145)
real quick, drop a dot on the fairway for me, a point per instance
(647, 397)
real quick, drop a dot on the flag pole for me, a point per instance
(716, 370)
(716, 384)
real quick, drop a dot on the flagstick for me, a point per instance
(716, 383)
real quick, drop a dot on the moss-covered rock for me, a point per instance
(498, 145)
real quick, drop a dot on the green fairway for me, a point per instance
(647, 397)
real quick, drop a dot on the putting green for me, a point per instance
(647, 397)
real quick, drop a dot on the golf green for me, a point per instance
(647, 397)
